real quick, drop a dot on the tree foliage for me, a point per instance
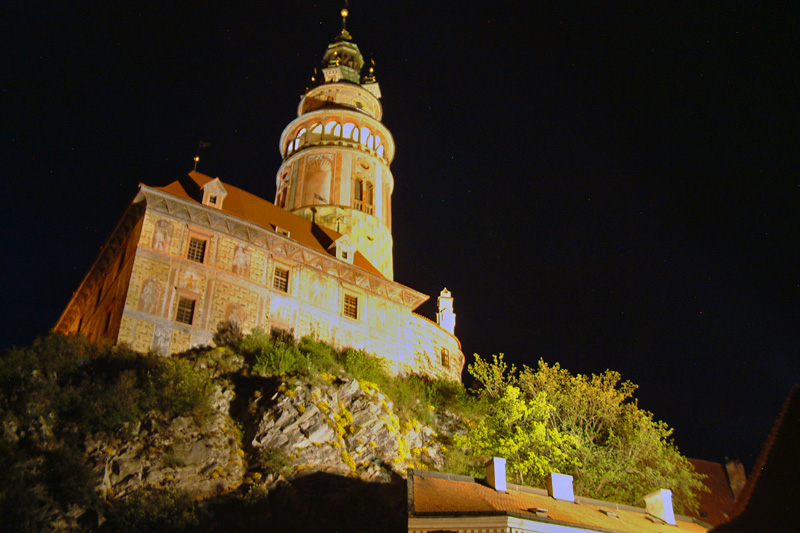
(516, 428)
(613, 449)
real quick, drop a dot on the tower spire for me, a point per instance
(336, 155)
(344, 35)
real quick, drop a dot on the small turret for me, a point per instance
(445, 317)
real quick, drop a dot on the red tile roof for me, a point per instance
(250, 207)
(715, 505)
(433, 494)
(771, 499)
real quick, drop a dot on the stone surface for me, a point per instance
(344, 426)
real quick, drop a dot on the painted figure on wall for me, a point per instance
(150, 296)
(161, 340)
(316, 291)
(190, 281)
(235, 314)
(241, 261)
(317, 182)
(162, 236)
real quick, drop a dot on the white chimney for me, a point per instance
(559, 486)
(659, 504)
(496, 474)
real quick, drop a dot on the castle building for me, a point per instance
(199, 251)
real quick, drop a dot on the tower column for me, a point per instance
(336, 155)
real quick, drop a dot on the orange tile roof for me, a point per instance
(250, 207)
(434, 494)
(715, 505)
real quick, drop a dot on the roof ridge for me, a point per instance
(763, 457)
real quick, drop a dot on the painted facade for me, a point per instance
(198, 252)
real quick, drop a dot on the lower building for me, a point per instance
(439, 502)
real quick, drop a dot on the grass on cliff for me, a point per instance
(412, 396)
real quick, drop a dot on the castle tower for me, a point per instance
(336, 156)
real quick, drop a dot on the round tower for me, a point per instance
(336, 155)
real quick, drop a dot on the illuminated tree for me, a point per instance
(617, 451)
(516, 428)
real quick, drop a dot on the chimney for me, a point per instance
(559, 486)
(736, 476)
(496, 474)
(659, 505)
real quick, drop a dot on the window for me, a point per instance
(280, 280)
(197, 250)
(280, 334)
(212, 199)
(121, 261)
(351, 306)
(185, 313)
(344, 255)
(445, 358)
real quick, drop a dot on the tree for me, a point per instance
(516, 428)
(617, 450)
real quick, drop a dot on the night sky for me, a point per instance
(602, 186)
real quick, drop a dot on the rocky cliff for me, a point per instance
(283, 451)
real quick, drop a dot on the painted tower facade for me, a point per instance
(336, 155)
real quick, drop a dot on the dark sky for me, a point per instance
(602, 186)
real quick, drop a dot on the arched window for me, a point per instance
(369, 197)
(347, 130)
(331, 130)
(380, 150)
(359, 191)
(300, 138)
(315, 133)
(371, 141)
(445, 358)
(364, 134)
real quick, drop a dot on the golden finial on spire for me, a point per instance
(344, 34)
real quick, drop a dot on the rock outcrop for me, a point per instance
(203, 459)
(344, 425)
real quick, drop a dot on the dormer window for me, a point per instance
(281, 231)
(345, 250)
(214, 193)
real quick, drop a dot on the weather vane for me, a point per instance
(201, 144)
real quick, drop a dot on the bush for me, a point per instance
(228, 334)
(153, 510)
(282, 358)
(178, 390)
(271, 460)
(364, 366)
(321, 356)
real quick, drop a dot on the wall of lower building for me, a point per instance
(235, 282)
(96, 308)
